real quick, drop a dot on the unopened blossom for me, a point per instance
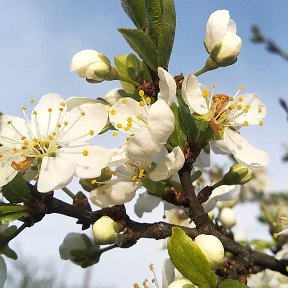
(181, 283)
(226, 115)
(130, 176)
(91, 64)
(53, 142)
(105, 231)
(227, 217)
(221, 40)
(212, 248)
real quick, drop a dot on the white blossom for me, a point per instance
(53, 142)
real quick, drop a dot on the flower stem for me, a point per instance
(68, 192)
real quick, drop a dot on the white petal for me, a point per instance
(55, 173)
(167, 86)
(79, 127)
(231, 46)
(3, 272)
(89, 166)
(142, 146)
(45, 122)
(256, 112)
(75, 101)
(128, 108)
(9, 136)
(169, 165)
(118, 156)
(84, 58)
(146, 203)
(231, 28)
(203, 160)
(192, 95)
(7, 173)
(160, 121)
(216, 28)
(114, 95)
(243, 151)
(119, 193)
(222, 193)
(219, 147)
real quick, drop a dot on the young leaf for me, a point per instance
(135, 9)
(188, 258)
(16, 191)
(229, 283)
(143, 45)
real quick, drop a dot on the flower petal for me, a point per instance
(216, 28)
(160, 121)
(193, 96)
(146, 203)
(84, 122)
(84, 58)
(243, 151)
(89, 160)
(118, 193)
(203, 160)
(11, 134)
(169, 165)
(118, 156)
(142, 146)
(222, 193)
(231, 46)
(55, 173)
(75, 101)
(167, 86)
(128, 108)
(46, 114)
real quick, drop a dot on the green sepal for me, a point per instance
(16, 191)
(8, 252)
(143, 45)
(215, 51)
(8, 217)
(189, 260)
(157, 189)
(178, 137)
(135, 9)
(229, 283)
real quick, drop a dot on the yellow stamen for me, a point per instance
(94, 181)
(134, 178)
(239, 107)
(139, 117)
(141, 103)
(151, 266)
(205, 93)
(119, 125)
(91, 132)
(141, 93)
(129, 124)
(82, 113)
(129, 119)
(240, 99)
(231, 107)
(148, 100)
(49, 110)
(245, 123)
(124, 101)
(261, 123)
(241, 87)
(114, 133)
(23, 108)
(113, 111)
(247, 106)
(127, 128)
(85, 153)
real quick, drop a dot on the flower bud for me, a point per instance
(91, 64)
(221, 41)
(212, 248)
(238, 174)
(227, 217)
(105, 231)
(181, 283)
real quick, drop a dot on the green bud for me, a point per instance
(238, 174)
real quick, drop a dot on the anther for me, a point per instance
(85, 153)
(113, 111)
(91, 132)
(141, 93)
(124, 101)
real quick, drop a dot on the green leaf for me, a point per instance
(166, 37)
(178, 137)
(10, 216)
(155, 188)
(143, 45)
(161, 24)
(229, 283)
(16, 191)
(188, 258)
(135, 9)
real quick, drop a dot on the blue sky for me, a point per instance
(39, 38)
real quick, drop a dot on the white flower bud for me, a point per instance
(105, 231)
(221, 40)
(212, 247)
(181, 283)
(227, 217)
(91, 64)
(113, 96)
